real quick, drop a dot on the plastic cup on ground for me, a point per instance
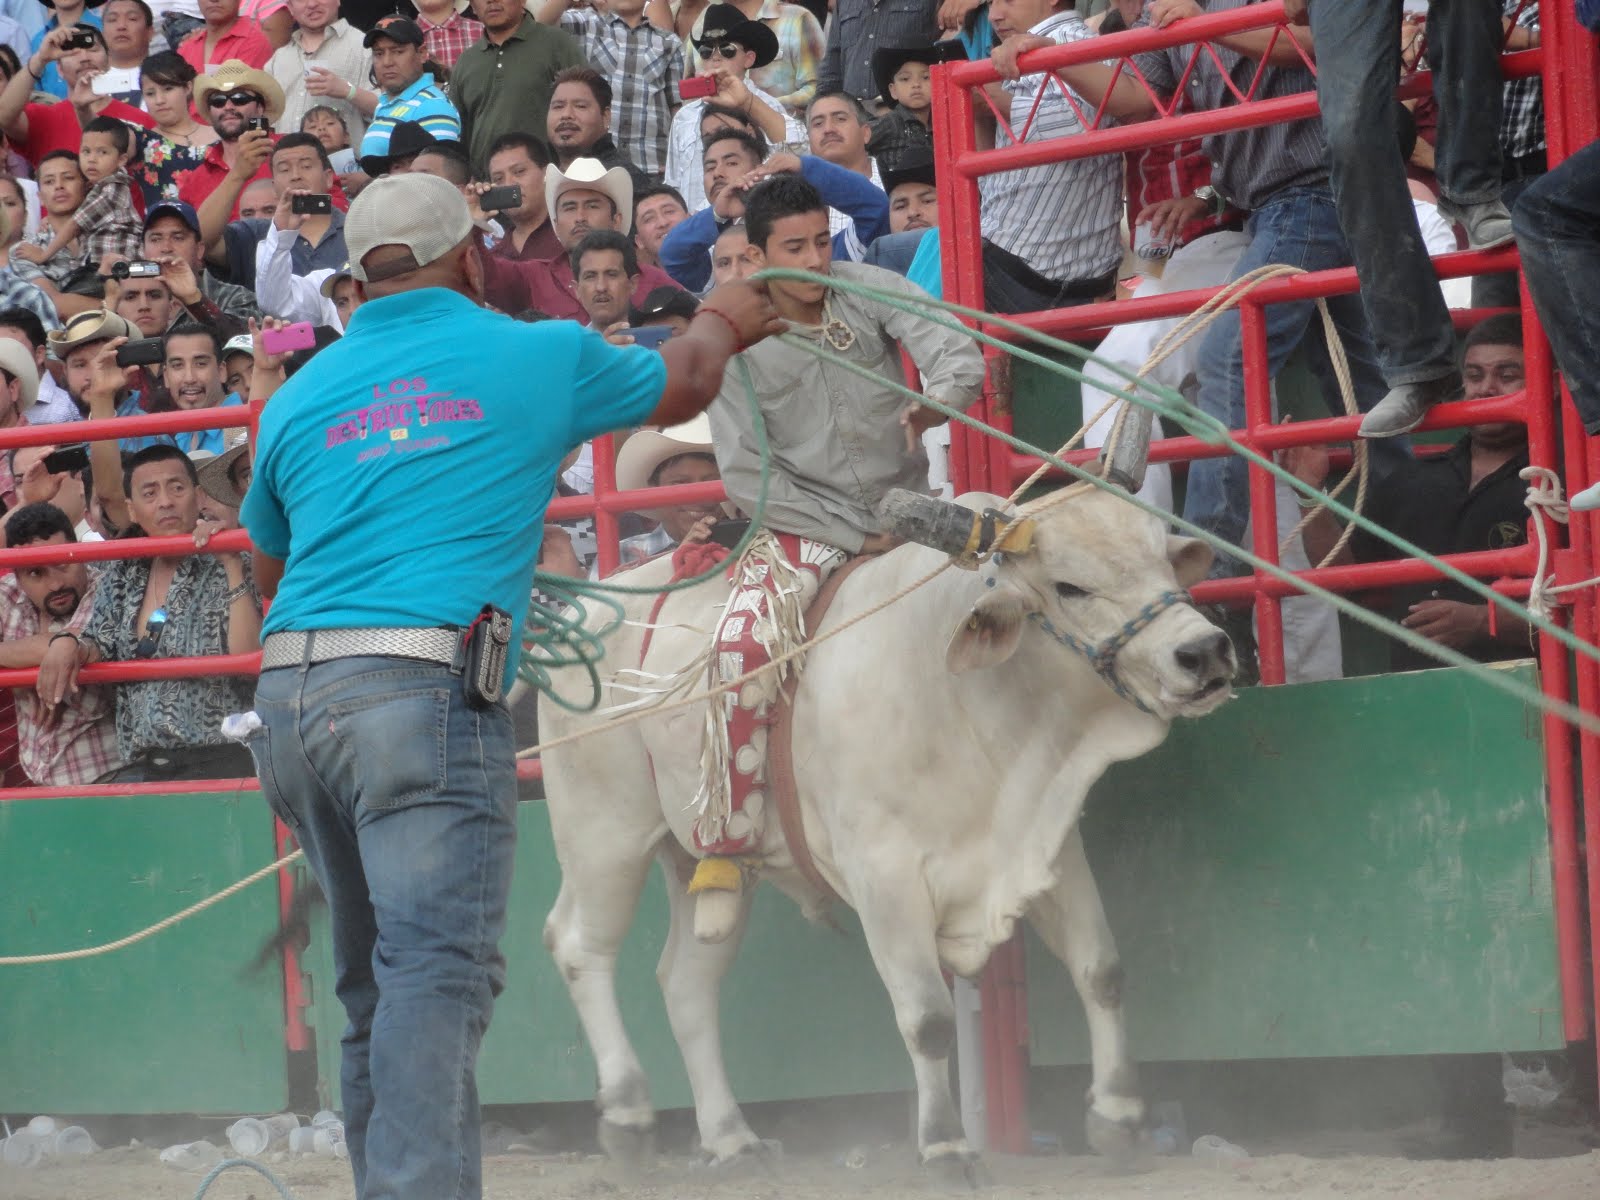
(22, 1149)
(42, 1126)
(281, 1125)
(192, 1156)
(249, 1137)
(74, 1139)
(302, 1140)
(1219, 1152)
(326, 1119)
(322, 1142)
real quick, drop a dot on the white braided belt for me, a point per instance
(290, 649)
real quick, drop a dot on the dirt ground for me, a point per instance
(1337, 1173)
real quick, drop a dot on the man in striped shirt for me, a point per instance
(1054, 229)
(408, 92)
(1278, 174)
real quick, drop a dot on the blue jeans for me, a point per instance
(1557, 220)
(1297, 227)
(404, 799)
(1358, 65)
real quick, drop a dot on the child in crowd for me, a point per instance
(105, 222)
(905, 80)
(327, 126)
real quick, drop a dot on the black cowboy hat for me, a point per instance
(907, 170)
(406, 140)
(725, 23)
(887, 61)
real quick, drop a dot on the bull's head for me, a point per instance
(1099, 576)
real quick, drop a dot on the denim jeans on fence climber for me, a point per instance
(1358, 62)
(404, 799)
(1557, 220)
(1296, 227)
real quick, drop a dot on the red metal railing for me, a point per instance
(1567, 60)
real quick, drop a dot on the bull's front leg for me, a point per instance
(898, 921)
(1072, 922)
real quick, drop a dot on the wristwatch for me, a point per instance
(1212, 198)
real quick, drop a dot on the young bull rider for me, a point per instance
(839, 444)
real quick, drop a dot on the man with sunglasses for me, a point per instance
(182, 606)
(730, 47)
(233, 96)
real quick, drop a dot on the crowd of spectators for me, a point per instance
(176, 171)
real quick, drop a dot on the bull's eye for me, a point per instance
(1069, 591)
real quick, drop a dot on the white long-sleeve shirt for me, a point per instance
(284, 294)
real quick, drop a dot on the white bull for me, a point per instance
(940, 791)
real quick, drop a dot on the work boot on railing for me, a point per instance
(1488, 224)
(1404, 408)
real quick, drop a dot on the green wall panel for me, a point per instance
(1350, 868)
(803, 1012)
(1358, 867)
(168, 1025)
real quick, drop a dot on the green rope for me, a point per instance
(228, 1164)
(558, 635)
(587, 647)
(1167, 404)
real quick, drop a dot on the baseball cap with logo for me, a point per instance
(425, 214)
(397, 29)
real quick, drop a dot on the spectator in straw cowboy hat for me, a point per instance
(232, 96)
(672, 457)
(224, 478)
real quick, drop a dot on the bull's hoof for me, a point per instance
(1120, 1141)
(632, 1147)
(954, 1170)
(760, 1157)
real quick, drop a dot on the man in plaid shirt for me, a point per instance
(632, 44)
(446, 32)
(77, 742)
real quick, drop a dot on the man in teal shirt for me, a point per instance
(400, 484)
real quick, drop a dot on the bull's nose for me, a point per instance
(1206, 658)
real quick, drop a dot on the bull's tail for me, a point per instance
(294, 931)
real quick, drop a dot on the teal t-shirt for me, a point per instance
(403, 474)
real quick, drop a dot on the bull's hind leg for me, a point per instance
(898, 920)
(1072, 922)
(690, 973)
(583, 933)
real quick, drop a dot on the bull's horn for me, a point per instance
(1124, 464)
(958, 531)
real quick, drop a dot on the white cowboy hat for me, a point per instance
(17, 360)
(590, 175)
(646, 450)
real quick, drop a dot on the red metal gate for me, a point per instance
(1568, 62)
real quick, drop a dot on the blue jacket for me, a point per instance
(686, 252)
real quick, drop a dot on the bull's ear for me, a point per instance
(989, 634)
(1191, 559)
